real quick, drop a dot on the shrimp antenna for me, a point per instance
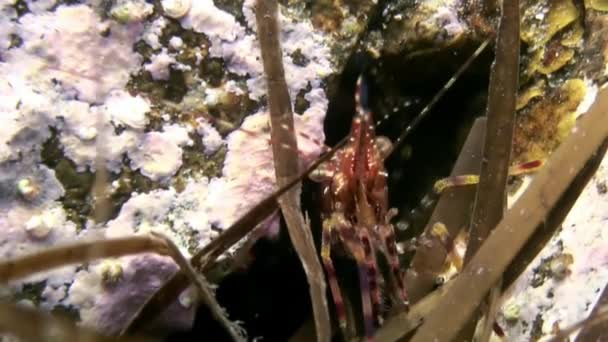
(424, 112)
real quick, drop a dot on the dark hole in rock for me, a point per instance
(270, 297)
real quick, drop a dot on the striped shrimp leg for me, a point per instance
(353, 242)
(329, 227)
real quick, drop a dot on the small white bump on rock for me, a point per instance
(187, 298)
(512, 312)
(28, 189)
(26, 303)
(130, 11)
(176, 8)
(111, 272)
(176, 43)
(39, 226)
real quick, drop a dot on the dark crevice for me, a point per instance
(77, 200)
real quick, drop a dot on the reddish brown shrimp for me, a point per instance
(356, 214)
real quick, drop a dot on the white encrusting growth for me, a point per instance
(69, 73)
(152, 32)
(159, 65)
(82, 120)
(240, 49)
(65, 77)
(159, 155)
(211, 138)
(25, 229)
(127, 110)
(215, 23)
(71, 45)
(248, 174)
(107, 306)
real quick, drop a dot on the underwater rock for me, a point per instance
(410, 26)
(151, 92)
(159, 90)
(107, 305)
(564, 282)
(560, 73)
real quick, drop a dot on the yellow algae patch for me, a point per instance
(532, 92)
(561, 14)
(538, 30)
(573, 37)
(598, 5)
(541, 126)
(565, 126)
(551, 59)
